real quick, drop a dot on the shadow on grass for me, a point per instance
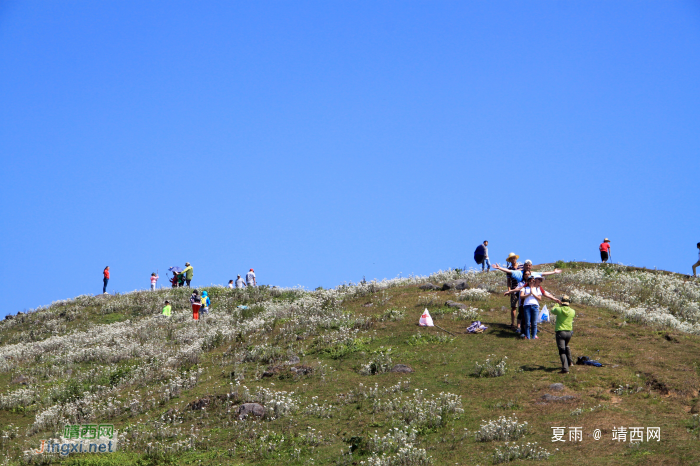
(500, 330)
(537, 367)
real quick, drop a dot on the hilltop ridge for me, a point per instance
(319, 364)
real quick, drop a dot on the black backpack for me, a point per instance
(479, 254)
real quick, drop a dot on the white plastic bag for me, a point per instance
(425, 319)
(544, 315)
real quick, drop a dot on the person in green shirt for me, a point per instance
(564, 328)
(167, 310)
(187, 273)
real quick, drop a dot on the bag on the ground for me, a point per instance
(425, 319)
(479, 254)
(544, 315)
(476, 327)
(586, 361)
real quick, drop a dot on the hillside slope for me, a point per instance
(319, 365)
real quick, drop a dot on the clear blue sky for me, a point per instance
(320, 142)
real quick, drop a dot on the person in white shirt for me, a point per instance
(230, 284)
(697, 264)
(250, 278)
(240, 283)
(531, 295)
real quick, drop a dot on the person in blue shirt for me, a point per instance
(205, 302)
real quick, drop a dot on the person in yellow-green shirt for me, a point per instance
(187, 273)
(564, 328)
(167, 310)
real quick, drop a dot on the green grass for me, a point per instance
(666, 369)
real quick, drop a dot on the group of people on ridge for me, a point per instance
(526, 293)
(239, 283)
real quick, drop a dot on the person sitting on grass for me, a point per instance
(564, 329)
(167, 310)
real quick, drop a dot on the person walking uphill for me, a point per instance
(240, 283)
(604, 250)
(564, 329)
(187, 273)
(697, 264)
(205, 302)
(196, 303)
(105, 273)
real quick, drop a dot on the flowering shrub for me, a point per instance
(529, 451)
(392, 315)
(491, 367)
(422, 339)
(501, 429)
(19, 398)
(420, 411)
(472, 294)
(380, 363)
(470, 314)
(324, 411)
(392, 441)
(649, 297)
(407, 455)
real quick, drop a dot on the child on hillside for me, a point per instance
(196, 303)
(154, 280)
(173, 280)
(205, 302)
(230, 284)
(167, 310)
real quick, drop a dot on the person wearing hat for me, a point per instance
(515, 276)
(512, 283)
(187, 273)
(604, 250)
(240, 283)
(564, 329)
(250, 278)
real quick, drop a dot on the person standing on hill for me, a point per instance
(605, 250)
(482, 251)
(187, 273)
(240, 283)
(697, 264)
(105, 279)
(230, 284)
(154, 281)
(250, 278)
(512, 283)
(563, 329)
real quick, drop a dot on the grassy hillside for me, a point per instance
(319, 364)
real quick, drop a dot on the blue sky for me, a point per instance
(320, 142)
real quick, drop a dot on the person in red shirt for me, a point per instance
(605, 250)
(105, 272)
